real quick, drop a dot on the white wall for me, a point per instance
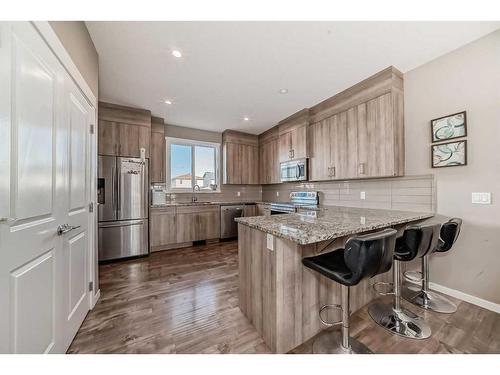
(465, 79)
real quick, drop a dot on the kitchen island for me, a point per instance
(277, 293)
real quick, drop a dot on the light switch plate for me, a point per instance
(270, 242)
(481, 198)
(362, 195)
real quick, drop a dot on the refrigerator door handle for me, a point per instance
(113, 189)
(121, 223)
(118, 193)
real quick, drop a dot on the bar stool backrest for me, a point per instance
(417, 241)
(370, 254)
(449, 234)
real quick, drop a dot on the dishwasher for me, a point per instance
(228, 227)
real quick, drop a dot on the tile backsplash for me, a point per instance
(411, 193)
(228, 193)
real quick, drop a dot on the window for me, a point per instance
(191, 163)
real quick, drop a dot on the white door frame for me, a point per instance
(52, 40)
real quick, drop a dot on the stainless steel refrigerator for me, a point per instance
(122, 193)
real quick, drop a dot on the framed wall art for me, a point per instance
(449, 154)
(449, 127)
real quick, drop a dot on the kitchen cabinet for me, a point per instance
(363, 139)
(269, 162)
(250, 210)
(123, 131)
(162, 228)
(240, 158)
(157, 154)
(263, 209)
(196, 223)
(293, 136)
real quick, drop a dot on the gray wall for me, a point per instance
(77, 42)
(465, 79)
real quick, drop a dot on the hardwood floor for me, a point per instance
(186, 301)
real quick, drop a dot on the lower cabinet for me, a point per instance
(196, 223)
(171, 226)
(263, 209)
(250, 210)
(163, 228)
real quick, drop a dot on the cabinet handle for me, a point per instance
(361, 168)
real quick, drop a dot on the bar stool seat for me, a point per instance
(417, 241)
(422, 296)
(364, 256)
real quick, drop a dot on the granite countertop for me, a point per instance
(174, 204)
(329, 222)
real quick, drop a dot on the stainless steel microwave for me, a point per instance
(293, 170)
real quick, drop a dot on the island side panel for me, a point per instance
(257, 286)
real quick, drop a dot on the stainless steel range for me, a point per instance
(307, 200)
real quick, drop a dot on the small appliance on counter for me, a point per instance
(158, 195)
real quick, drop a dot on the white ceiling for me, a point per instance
(230, 70)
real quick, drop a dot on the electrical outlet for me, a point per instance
(481, 198)
(270, 242)
(277, 193)
(238, 193)
(362, 195)
(362, 220)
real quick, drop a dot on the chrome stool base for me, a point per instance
(428, 300)
(331, 343)
(403, 322)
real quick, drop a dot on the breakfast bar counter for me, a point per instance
(277, 293)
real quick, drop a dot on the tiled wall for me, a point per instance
(412, 193)
(229, 193)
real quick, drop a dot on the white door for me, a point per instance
(43, 154)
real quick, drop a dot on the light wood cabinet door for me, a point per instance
(285, 146)
(263, 209)
(250, 210)
(375, 146)
(232, 163)
(293, 144)
(157, 159)
(196, 223)
(163, 228)
(299, 142)
(249, 164)
(320, 161)
(269, 162)
(131, 138)
(107, 139)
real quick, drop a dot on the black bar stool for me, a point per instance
(417, 241)
(423, 297)
(364, 256)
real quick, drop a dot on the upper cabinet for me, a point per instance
(240, 158)
(269, 162)
(157, 157)
(359, 133)
(123, 131)
(293, 136)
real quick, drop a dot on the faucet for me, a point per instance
(194, 198)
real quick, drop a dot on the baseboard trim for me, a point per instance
(95, 298)
(495, 307)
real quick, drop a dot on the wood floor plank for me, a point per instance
(186, 301)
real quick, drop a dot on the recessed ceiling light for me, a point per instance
(246, 119)
(168, 102)
(176, 53)
(283, 91)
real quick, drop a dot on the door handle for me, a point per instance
(65, 228)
